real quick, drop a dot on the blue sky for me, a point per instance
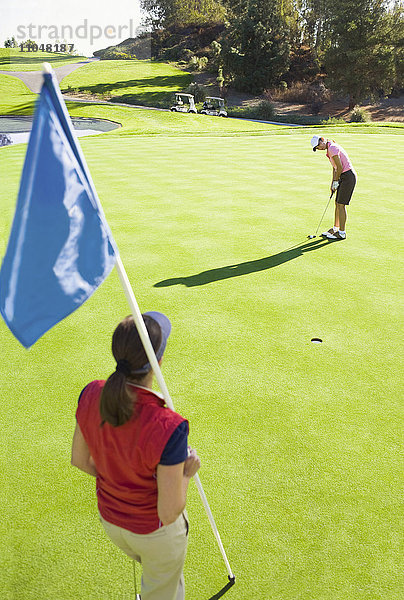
(88, 24)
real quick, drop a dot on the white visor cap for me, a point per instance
(315, 141)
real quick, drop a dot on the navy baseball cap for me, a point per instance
(165, 327)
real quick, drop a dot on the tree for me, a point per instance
(255, 50)
(156, 11)
(165, 13)
(11, 43)
(315, 24)
(396, 22)
(360, 60)
(290, 11)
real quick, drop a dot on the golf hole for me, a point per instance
(317, 340)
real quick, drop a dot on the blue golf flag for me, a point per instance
(60, 247)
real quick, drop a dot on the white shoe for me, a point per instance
(336, 235)
(325, 234)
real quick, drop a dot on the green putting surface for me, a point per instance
(300, 442)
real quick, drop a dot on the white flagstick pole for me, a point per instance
(144, 336)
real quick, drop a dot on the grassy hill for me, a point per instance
(143, 82)
(12, 59)
(170, 43)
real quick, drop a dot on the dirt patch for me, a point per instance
(86, 97)
(389, 109)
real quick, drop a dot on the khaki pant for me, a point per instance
(162, 555)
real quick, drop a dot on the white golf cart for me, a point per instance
(184, 103)
(214, 106)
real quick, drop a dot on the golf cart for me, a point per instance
(214, 106)
(184, 103)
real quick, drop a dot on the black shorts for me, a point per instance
(346, 187)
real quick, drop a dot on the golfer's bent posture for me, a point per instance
(343, 182)
(137, 449)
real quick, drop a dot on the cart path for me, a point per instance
(33, 79)
(86, 101)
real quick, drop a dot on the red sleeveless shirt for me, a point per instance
(126, 457)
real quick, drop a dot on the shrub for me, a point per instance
(359, 115)
(173, 53)
(11, 43)
(114, 54)
(300, 92)
(316, 106)
(198, 91)
(203, 63)
(198, 63)
(186, 54)
(216, 48)
(220, 78)
(333, 121)
(193, 63)
(265, 110)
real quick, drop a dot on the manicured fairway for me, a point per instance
(300, 442)
(14, 60)
(14, 93)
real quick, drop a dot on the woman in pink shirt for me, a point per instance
(343, 182)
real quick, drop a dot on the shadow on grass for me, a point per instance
(252, 266)
(27, 108)
(145, 88)
(35, 59)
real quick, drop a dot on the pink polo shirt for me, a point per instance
(337, 150)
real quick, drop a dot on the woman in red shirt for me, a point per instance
(137, 449)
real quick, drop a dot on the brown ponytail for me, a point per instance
(116, 405)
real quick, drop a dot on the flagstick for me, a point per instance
(137, 316)
(144, 336)
(58, 103)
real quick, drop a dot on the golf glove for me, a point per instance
(334, 185)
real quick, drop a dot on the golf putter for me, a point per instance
(321, 220)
